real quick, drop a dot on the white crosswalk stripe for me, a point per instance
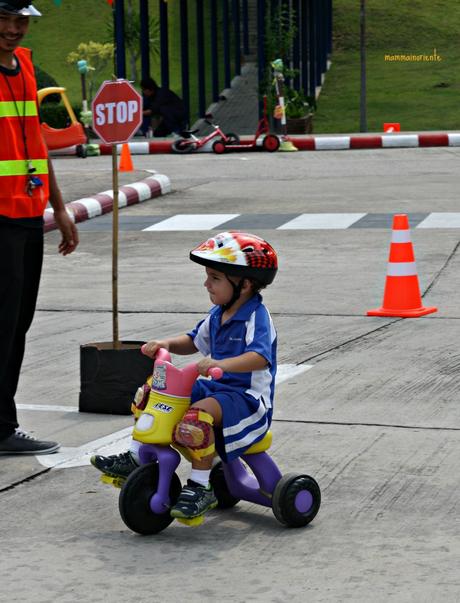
(321, 221)
(269, 221)
(192, 222)
(441, 220)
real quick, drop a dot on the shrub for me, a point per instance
(55, 114)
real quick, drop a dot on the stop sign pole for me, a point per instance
(117, 115)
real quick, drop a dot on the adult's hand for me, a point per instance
(68, 230)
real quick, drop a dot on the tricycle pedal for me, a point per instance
(116, 482)
(192, 521)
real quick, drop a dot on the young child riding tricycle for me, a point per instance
(228, 416)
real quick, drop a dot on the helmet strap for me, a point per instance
(236, 293)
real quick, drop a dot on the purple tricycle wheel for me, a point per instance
(135, 496)
(296, 500)
(303, 501)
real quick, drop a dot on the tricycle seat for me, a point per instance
(261, 446)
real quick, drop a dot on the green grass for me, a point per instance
(418, 95)
(60, 30)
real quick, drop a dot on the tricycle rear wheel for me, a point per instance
(296, 500)
(134, 500)
(225, 500)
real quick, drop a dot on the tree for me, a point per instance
(98, 56)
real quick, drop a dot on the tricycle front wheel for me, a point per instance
(296, 500)
(134, 500)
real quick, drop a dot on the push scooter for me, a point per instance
(263, 139)
(150, 491)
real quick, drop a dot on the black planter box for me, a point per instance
(299, 125)
(109, 377)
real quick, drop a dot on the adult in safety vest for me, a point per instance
(27, 183)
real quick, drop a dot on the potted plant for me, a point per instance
(299, 112)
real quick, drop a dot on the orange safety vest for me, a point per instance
(15, 202)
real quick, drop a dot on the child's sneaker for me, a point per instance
(194, 500)
(115, 465)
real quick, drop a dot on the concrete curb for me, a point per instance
(102, 203)
(140, 148)
(305, 143)
(322, 143)
(388, 141)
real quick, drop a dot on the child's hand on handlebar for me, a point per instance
(151, 347)
(205, 364)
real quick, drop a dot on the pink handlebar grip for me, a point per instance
(162, 354)
(215, 372)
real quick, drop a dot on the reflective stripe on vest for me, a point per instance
(19, 167)
(26, 109)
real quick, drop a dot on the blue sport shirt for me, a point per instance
(251, 329)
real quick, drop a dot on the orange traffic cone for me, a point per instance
(402, 292)
(126, 163)
(391, 127)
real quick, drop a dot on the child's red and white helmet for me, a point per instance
(238, 254)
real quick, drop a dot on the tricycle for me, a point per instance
(150, 491)
(190, 142)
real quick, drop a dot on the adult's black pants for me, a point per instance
(21, 257)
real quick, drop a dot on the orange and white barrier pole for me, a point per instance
(402, 292)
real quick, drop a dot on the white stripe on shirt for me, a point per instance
(261, 380)
(250, 328)
(202, 338)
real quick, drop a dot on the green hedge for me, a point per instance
(55, 114)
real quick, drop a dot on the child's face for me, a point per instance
(219, 289)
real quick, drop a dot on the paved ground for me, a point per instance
(376, 419)
(237, 109)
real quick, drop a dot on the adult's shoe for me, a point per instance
(21, 442)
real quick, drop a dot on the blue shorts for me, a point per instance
(245, 420)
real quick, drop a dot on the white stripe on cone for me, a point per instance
(402, 269)
(400, 236)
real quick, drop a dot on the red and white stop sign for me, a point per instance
(117, 111)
